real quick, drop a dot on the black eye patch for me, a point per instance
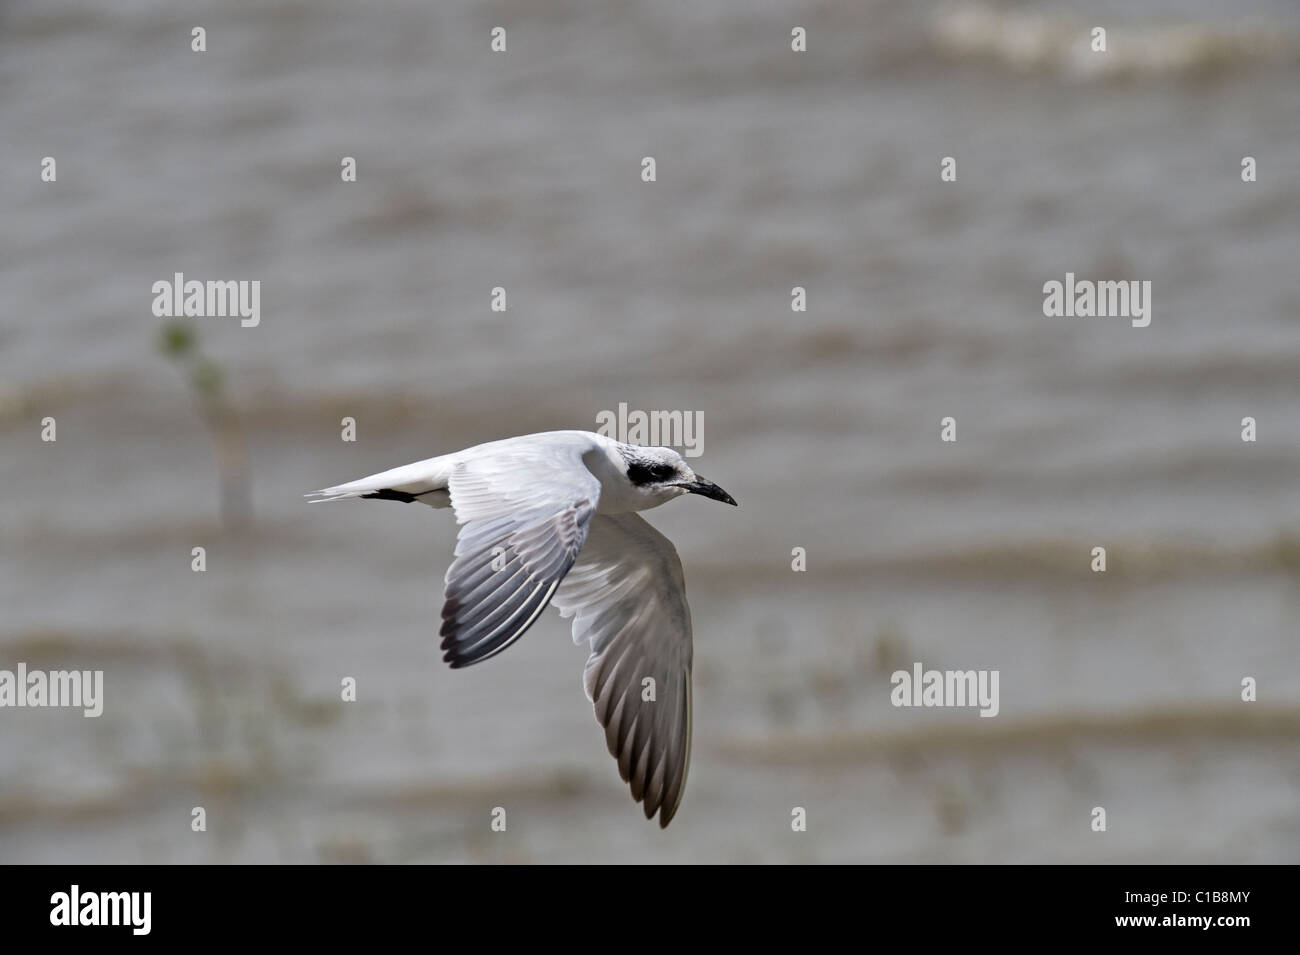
(641, 472)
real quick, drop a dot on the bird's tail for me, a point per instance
(409, 482)
(341, 492)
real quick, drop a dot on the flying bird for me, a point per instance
(551, 518)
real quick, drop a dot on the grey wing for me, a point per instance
(525, 514)
(627, 597)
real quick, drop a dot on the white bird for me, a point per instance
(551, 516)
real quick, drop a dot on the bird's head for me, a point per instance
(661, 474)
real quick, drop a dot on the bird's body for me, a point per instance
(552, 517)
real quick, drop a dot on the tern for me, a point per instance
(551, 518)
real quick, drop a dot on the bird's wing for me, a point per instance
(627, 597)
(524, 511)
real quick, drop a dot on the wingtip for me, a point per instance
(666, 811)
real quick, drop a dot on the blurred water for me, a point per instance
(774, 169)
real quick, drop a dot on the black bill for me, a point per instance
(710, 490)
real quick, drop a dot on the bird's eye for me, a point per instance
(641, 473)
